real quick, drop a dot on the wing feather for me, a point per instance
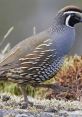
(24, 47)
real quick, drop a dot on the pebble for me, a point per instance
(42, 114)
(23, 105)
(9, 115)
(38, 106)
(52, 110)
(24, 115)
(5, 98)
(45, 114)
(1, 113)
(41, 108)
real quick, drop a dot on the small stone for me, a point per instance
(23, 105)
(46, 114)
(21, 115)
(9, 115)
(39, 106)
(5, 98)
(51, 110)
(24, 115)
(1, 113)
(63, 113)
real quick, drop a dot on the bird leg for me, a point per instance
(23, 91)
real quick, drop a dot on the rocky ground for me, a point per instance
(13, 106)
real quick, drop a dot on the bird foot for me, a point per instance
(25, 105)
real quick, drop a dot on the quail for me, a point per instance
(38, 58)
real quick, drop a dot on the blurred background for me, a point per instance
(17, 21)
(22, 15)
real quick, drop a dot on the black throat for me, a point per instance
(73, 20)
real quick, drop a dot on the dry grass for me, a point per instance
(70, 78)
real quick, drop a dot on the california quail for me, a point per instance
(38, 58)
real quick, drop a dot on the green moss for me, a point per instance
(14, 89)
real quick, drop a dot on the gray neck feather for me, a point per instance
(60, 35)
(58, 24)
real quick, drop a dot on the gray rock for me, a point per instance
(5, 98)
(75, 113)
(46, 114)
(40, 106)
(9, 115)
(23, 105)
(70, 113)
(51, 110)
(1, 113)
(24, 115)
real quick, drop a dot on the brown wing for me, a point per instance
(24, 47)
(32, 67)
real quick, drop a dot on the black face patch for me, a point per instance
(71, 20)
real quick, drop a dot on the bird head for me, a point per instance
(69, 16)
(62, 29)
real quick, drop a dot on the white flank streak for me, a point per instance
(29, 54)
(23, 67)
(28, 58)
(33, 68)
(46, 40)
(38, 48)
(48, 50)
(44, 45)
(27, 63)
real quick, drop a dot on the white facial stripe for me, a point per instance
(70, 12)
(67, 21)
